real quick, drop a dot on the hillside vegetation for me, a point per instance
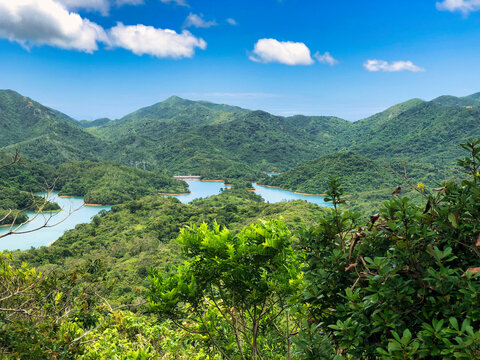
(18, 182)
(228, 142)
(322, 284)
(108, 184)
(367, 183)
(42, 133)
(137, 236)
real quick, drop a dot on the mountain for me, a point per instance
(448, 100)
(375, 122)
(208, 139)
(97, 122)
(426, 132)
(42, 133)
(357, 172)
(228, 142)
(367, 183)
(176, 109)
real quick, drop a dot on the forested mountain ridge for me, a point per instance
(367, 183)
(448, 100)
(221, 141)
(358, 173)
(428, 132)
(42, 133)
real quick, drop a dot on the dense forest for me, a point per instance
(389, 271)
(197, 281)
(108, 183)
(367, 182)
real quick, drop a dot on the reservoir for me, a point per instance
(74, 213)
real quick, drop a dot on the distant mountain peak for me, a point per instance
(449, 100)
(174, 99)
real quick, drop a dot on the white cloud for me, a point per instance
(464, 6)
(232, 22)
(178, 2)
(394, 66)
(197, 21)
(162, 43)
(46, 22)
(102, 6)
(326, 58)
(283, 52)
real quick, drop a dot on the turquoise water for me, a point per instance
(273, 195)
(201, 189)
(74, 213)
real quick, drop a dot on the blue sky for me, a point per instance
(106, 58)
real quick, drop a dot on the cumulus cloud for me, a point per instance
(394, 66)
(326, 58)
(162, 43)
(283, 52)
(198, 21)
(232, 22)
(46, 22)
(463, 6)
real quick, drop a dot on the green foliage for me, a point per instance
(18, 181)
(360, 174)
(108, 183)
(232, 284)
(132, 238)
(405, 286)
(43, 316)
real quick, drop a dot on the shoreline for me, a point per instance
(272, 186)
(295, 192)
(302, 193)
(87, 204)
(175, 194)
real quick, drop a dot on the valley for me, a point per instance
(242, 223)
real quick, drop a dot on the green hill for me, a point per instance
(252, 142)
(367, 182)
(428, 132)
(42, 133)
(132, 238)
(107, 183)
(448, 100)
(221, 141)
(357, 172)
(97, 122)
(18, 182)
